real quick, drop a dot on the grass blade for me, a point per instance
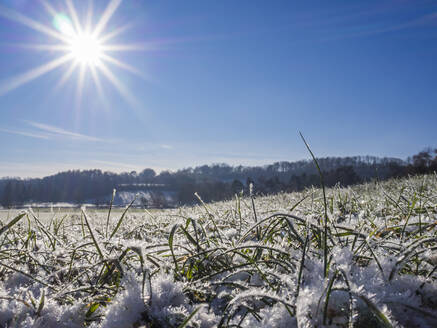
(187, 320)
(12, 223)
(121, 218)
(325, 235)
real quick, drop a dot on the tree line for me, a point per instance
(213, 182)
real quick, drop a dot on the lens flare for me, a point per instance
(85, 47)
(63, 24)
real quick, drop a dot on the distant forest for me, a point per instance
(212, 182)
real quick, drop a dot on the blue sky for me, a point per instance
(202, 82)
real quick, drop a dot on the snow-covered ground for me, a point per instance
(264, 262)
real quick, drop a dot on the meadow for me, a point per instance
(341, 257)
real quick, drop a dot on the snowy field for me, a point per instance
(252, 262)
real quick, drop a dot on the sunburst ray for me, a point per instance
(80, 83)
(124, 92)
(67, 74)
(120, 64)
(107, 14)
(97, 82)
(19, 18)
(81, 45)
(32, 74)
(115, 33)
(42, 47)
(73, 14)
(48, 7)
(130, 47)
(89, 17)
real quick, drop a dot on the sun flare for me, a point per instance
(84, 46)
(86, 49)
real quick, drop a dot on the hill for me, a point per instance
(214, 182)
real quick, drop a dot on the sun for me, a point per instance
(86, 49)
(82, 45)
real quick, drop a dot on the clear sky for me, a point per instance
(125, 85)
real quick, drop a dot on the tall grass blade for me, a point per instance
(12, 223)
(109, 212)
(325, 205)
(121, 218)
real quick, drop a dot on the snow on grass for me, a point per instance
(249, 262)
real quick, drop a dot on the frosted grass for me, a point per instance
(250, 262)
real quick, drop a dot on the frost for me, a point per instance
(127, 308)
(230, 270)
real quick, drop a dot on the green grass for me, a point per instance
(251, 261)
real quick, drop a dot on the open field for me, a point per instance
(359, 257)
(49, 213)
